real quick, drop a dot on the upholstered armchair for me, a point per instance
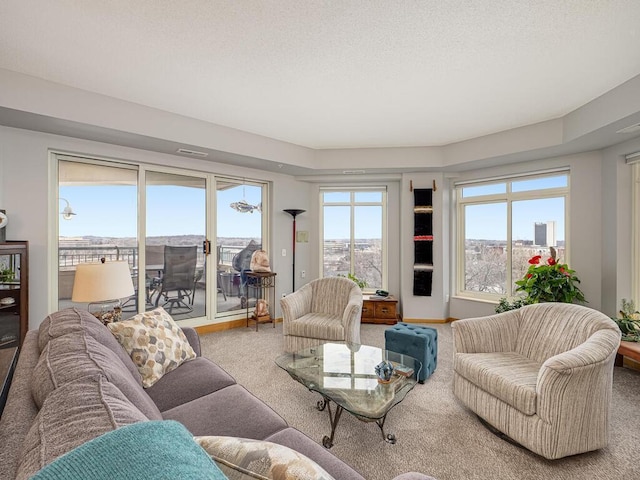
(541, 374)
(324, 310)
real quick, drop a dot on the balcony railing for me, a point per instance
(69, 257)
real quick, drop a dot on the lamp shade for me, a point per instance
(98, 282)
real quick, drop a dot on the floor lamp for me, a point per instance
(294, 212)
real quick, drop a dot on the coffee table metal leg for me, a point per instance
(389, 437)
(334, 417)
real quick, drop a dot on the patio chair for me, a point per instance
(178, 277)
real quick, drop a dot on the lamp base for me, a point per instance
(107, 312)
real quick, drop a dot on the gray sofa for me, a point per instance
(49, 413)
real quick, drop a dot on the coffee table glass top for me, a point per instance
(345, 374)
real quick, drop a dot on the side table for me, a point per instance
(261, 285)
(380, 310)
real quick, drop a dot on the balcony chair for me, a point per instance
(178, 276)
(541, 375)
(324, 310)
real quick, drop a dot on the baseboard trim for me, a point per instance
(231, 324)
(428, 320)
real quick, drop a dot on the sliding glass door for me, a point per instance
(98, 218)
(239, 227)
(157, 220)
(174, 256)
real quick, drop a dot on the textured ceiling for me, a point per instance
(334, 73)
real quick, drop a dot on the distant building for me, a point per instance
(545, 234)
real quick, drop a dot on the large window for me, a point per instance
(354, 234)
(504, 222)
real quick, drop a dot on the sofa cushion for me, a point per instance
(169, 452)
(506, 375)
(194, 379)
(245, 459)
(75, 355)
(317, 325)
(71, 415)
(231, 411)
(155, 343)
(72, 320)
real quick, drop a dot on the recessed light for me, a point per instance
(353, 172)
(630, 129)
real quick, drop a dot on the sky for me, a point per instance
(110, 211)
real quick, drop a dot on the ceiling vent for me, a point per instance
(193, 153)
(630, 129)
(353, 172)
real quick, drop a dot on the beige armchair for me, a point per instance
(324, 310)
(541, 374)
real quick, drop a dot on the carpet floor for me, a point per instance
(436, 434)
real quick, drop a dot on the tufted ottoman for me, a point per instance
(416, 341)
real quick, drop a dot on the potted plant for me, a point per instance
(629, 321)
(545, 281)
(360, 282)
(6, 274)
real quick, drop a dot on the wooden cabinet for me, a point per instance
(380, 310)
(14, 293)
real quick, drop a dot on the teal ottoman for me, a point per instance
(416, 341)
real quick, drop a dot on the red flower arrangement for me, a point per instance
(551, 281)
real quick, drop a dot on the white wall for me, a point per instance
(617, 226)
(25, 186)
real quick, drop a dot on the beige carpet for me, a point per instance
(436, 434)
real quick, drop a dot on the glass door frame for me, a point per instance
(211, 315)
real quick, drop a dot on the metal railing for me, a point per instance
(69, 257)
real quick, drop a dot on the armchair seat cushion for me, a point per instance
(318, 325)
(508, 376)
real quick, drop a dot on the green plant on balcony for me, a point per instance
(629, 321)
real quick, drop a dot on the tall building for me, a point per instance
(545, 233)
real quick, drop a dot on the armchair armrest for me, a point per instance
(572, 379)
(194, 339)
(351, 317)
(493, 333)
(295, 305)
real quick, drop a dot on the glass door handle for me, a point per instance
(206, 247)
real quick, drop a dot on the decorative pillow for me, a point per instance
(243, 459)
(155, 343)
(146, 450)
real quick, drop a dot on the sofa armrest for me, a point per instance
(493, 333)
(194, 339)
(295, 305)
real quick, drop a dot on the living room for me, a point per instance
(44, 114)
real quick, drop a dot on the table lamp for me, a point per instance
(102, 285)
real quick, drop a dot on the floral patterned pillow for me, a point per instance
(155, 343)
(244, 459)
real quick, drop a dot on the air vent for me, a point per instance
(630, 129)
(193, 153)
(353, 172)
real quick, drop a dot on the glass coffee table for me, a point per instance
(345, 375)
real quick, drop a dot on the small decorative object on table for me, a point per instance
(384, 371)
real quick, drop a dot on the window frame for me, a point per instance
(507, 197)
(352, 203)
